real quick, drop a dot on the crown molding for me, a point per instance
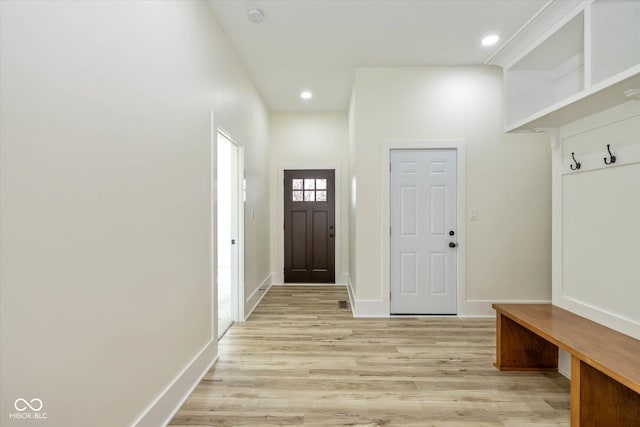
(532, 30)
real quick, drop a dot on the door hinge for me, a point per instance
(390, 233)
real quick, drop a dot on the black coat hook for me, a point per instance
(612, 158)
(577, 165)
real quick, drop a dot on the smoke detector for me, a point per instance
(255, 15)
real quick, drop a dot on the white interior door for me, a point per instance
(423, 232)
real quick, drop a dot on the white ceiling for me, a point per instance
(317, 44)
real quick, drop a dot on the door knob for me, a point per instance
(330, 235)
(452, 245)
(451, 233)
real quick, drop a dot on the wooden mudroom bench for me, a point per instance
(605, 364)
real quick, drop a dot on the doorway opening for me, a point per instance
(228, 227)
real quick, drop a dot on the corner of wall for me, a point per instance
(342, 279)
(165, 406)
(364, 308)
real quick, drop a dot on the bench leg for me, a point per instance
(598, 400)
(575, 391)
(519, 349)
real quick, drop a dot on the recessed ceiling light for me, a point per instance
(490, 40)
(306, 95)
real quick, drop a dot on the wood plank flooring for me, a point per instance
(301, 360)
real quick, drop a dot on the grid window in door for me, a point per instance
(309, 190)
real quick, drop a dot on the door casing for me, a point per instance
(458, 145)
(278, 277)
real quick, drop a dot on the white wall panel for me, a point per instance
(597, 219)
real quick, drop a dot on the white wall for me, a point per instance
(105, 196)
(309, 140)
(507, 178)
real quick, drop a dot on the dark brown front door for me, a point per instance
(309, 228)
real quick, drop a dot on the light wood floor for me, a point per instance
(300, 360)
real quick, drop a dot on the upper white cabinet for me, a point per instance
(581, 65)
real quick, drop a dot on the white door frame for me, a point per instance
(237, 308)
(337, 241)
(456, 144)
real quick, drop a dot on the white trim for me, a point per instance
(588, 44)
(352, 298)
(548, 33)
(257, 295)
(453, 143)
(370, 308)
(213, 225)
(239, 311)
(528, 36)
(279, 275)
(611, 320)
(521, 30)
(166, 405)
(364, 308)
(482, 308)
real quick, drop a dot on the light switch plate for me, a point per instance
(473, 214)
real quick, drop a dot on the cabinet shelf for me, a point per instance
(602, 96)
(581, 66)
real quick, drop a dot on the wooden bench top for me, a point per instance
(611, 352)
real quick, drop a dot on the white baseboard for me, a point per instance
(342, 279)
(369, 308)
(165, 406)
(377, 308)
(256, 296)
(610, 320)
(277, 278)
(364, 308)
(350, 291)
(482, 308)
